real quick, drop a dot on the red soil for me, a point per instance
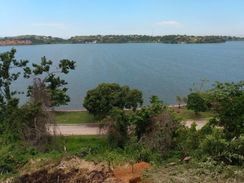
(131, 173)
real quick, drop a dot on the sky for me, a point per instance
(66, 18)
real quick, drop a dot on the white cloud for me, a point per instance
(171, 23)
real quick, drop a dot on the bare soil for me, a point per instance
(72, 170)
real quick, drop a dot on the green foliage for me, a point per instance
(52, 82)
(214, 144)
(196, 103)
(74, 117)
(188, 140)
(14, 156)
(117, 128)
(161, 133)
(142, 119)
(17, 122)
(171, 39)
(8, 74)
(227, 100)
(101, 100)
(210, 143)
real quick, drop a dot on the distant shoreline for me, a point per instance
(117, 43)
(115, 39)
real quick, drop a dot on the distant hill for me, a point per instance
(33, 39)
(170, 39)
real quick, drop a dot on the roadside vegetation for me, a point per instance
(76, 117)
(154, 133)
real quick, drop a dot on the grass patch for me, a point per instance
(205, 172)
(76, 144)
(74, 117)
(84, 117)
(184, 114)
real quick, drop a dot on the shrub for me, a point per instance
(188, 140)
(227, 101)
(160, 134)
(214, 144)
(196, 103)
(116, 125)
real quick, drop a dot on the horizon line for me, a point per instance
(223, 35)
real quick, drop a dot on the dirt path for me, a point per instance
(93, 129)
(200, 123)
(82, 129)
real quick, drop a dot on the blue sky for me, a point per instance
(65, 18)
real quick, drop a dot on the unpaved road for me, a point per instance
(93, 129)
(74, 129)
(200, 123)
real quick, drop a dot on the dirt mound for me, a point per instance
(73, 170)
(131, 173)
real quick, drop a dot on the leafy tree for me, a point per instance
(47, 84)
(9, 74)
(101, 100)
(51, 79)
(196, 103)
(227, 101)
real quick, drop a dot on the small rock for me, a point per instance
(187, 159)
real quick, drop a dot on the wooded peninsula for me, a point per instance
(169, 39)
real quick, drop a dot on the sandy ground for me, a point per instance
(82, 129)
(199, 123)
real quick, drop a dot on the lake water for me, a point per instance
(165, 70)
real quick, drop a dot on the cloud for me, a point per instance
(171, 23)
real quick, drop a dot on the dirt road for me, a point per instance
(93, 129)
(74, 129)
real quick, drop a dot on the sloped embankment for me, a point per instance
(76, 170)
(71, 170)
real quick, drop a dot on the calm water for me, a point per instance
(166, 70)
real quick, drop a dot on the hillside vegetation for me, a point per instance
(170, 39)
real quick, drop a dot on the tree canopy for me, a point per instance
(47, 86)
(196, 103)
(101, 100)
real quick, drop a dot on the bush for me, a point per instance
(116, 125)
(214, 144)
(188, 140)
(222, 150)
(196, 103)
(160, 134)
(14, 156)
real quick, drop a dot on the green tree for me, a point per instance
(51, 79)
(9, 74)
(227, 101)
(46, 82)
(196, 103)
(101, 100)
